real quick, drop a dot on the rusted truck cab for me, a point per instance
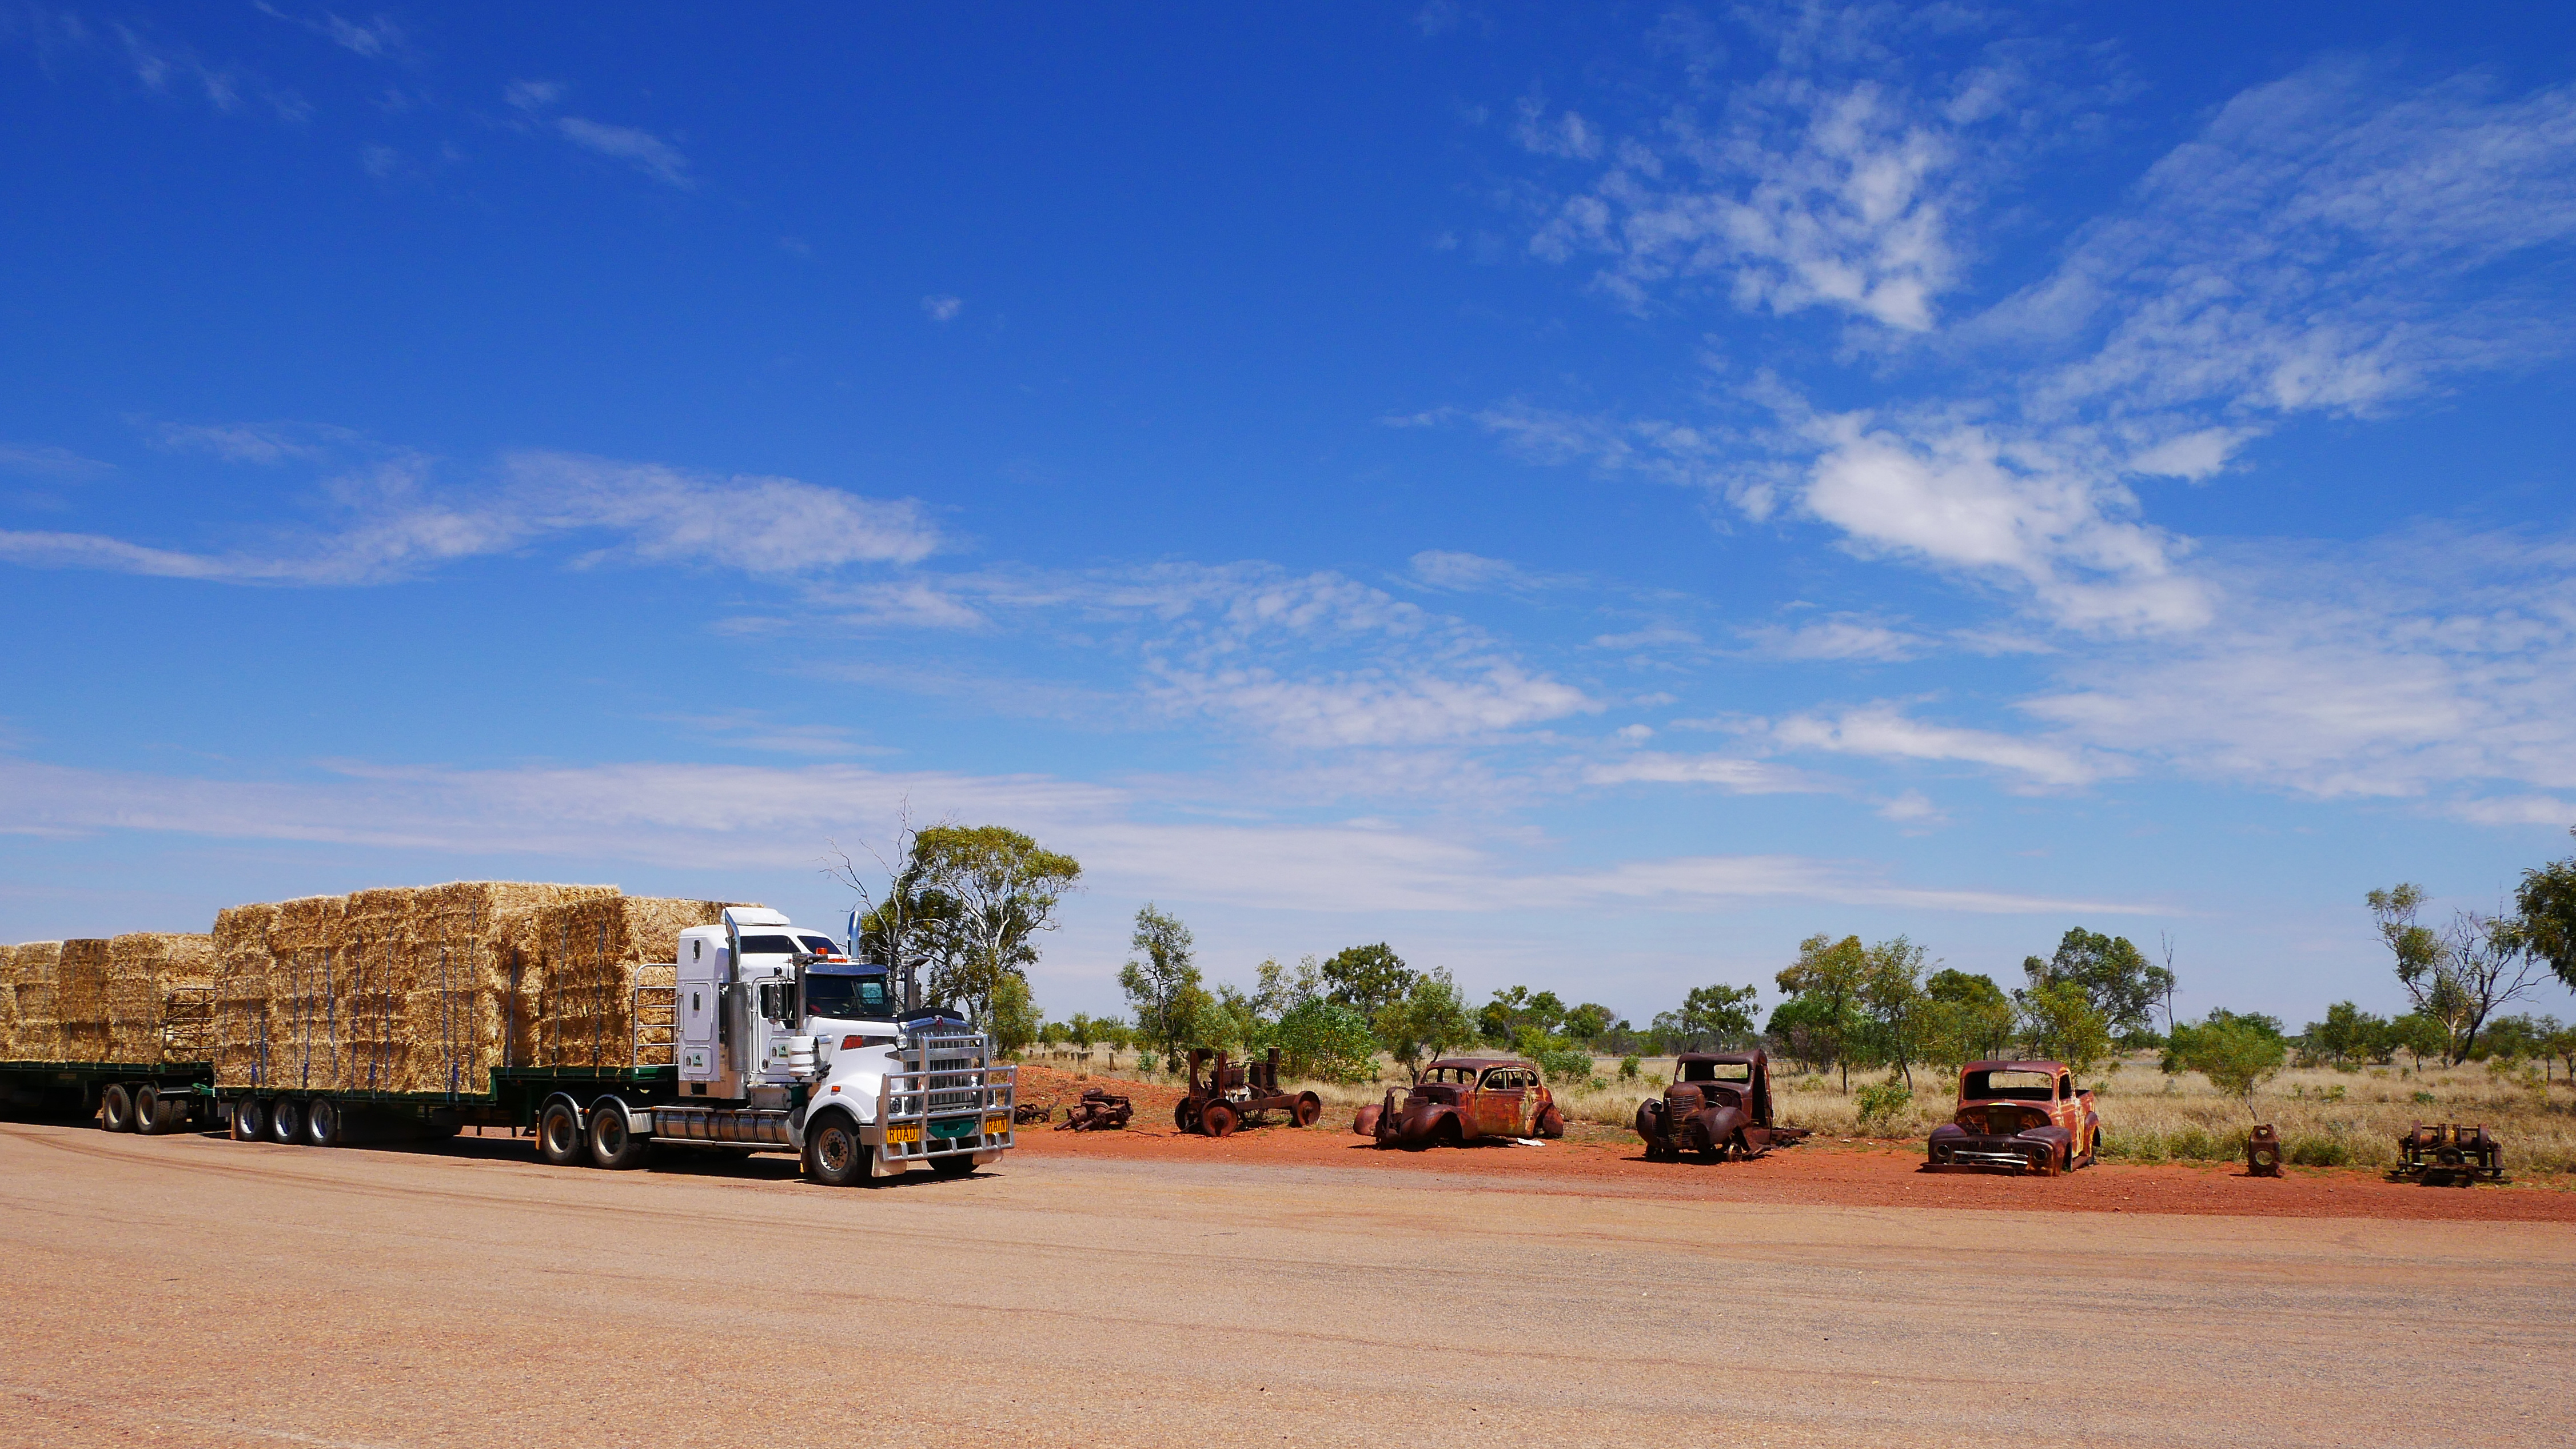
(2019, 1117)
(1718, 1106)
(1461, 1099)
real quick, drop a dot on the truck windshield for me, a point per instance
(852, 998)
(2017, 1086)
(1717, 1071)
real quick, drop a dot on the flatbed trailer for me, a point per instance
(126, 1096)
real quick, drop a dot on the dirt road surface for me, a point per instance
(193, 1291)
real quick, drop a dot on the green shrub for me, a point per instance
(2423, 1099)
(2133, 1146)
(1880, 1104)
(1628, 1067)
(2319, 1152)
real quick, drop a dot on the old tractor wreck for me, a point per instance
(1098, 1111)
(1718, 1107)
(1233, 1091)
(1463, 1099)
(2019, 1117)
(2443, 1154)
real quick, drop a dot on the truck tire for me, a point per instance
(1310, 1109)
(153, 1114)
(559, 1136)
(323, 1126)
(286, 1121)
(1218, 1120)
(835, 1155)
(250, 1120)
(116, 1108)
(613, 1143)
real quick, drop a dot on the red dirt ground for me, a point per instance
(1859, 1173)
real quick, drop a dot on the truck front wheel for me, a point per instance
(559, 1135)
(835, 1155)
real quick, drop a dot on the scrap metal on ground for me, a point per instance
(1461, 1099)
(1033, 1110)
(2448, 1154)
(1233, 1091)
(1718, 1107)
(1098, 1111)
(2263, 1152)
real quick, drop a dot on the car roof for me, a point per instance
(1743, 1058)
(1480, 1063)
(2054, 1068)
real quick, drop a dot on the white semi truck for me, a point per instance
(783, 1042)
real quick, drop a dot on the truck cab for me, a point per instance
(783, 1041)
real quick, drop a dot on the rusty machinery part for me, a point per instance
(1035, 1110)
(1218, 1120)
(1364, 1123)
(1242, 1090)
(2449, 1154)
(2263, 1152)
(1098, 1111)
(1308, 1111)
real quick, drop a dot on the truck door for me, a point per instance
(701, 1008)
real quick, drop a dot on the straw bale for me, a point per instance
(9, 1004)
(146, 972)
(40, 1028)
(80, 999)
(592, 956)
(242, 1008)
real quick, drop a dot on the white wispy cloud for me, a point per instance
(941, 307)
(643, 150)
(1731, 773)
(42, 461)
(705, 817)
(1847, 637)
(395, 522)
(1888, 733)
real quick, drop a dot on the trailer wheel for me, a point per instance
(835, 1155)
(1218, 1120)
(248, 1120)
(116, 1108)
(559, 1135)
(286, 1120)
(147, 1110)
(322, 1124)
(613, 1144)
(1310, 1109)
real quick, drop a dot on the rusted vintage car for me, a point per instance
(1460, 1099)
(2020, 1116)
(1718, 1106)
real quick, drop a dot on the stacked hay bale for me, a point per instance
(40, 1030)
(242, 1024)
(592, 957)
(395, 990)
(80, 999)
(157, 988)
(9, 1004)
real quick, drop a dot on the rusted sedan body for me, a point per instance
(1718, 1107)
(2019, 1117)
(1461, 1099)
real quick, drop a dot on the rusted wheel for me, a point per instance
(1218, 1120)
(1185, 1115)
(1310, 1109)
(1551, 1123)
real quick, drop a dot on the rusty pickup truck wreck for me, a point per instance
(2019, 1116)
(1718, 1107)
(1460, 1099)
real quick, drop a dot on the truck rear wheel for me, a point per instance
(249, 1120)
(835, 1155)
(322, 1123)
(559, 1135)
(613, 1143)
(116, 1108)
(286, 1120)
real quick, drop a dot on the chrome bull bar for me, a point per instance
(946, 1096)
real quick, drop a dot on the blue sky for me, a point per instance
(1587, 497)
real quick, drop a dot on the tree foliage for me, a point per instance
(1830, 975)
(1709, 1018)
(2118, 981)
(2059, 1022)
(1367, 978)
(2545, 916)
(1965, 1019)
(1163, 986)
(2461, 975)
(1429, 1021)
(2236, 1053)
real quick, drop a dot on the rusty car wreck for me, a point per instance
(1717, 1107)
(1461, 1099)
(2020, 1117)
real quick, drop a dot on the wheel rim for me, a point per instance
(835, 1151)
(322, 1124)
(559, 1132)
(610, 1133)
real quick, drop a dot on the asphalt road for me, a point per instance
(194, 1291)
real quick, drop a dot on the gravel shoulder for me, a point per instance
(192, 1290)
